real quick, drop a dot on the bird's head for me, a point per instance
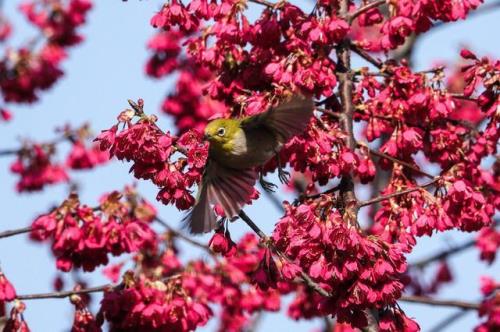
(221, 131)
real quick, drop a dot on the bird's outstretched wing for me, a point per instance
(228, 187)
(288, 119)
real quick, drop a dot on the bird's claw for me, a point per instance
(283, 175)
(268, 186)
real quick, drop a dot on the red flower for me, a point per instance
(7, 291)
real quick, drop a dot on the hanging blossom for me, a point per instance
(16, 322)
(490, 306)
(83, 320)
(488, 242)
(83, 237)
(7, 291)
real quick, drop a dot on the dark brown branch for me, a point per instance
(264, 3)
(14, 232)
(314, 196)
(396, 194)
(63, 294)
(401, 162)
(443, 254)
(268, 243)
(274, 200)
(365, 55)
(9, 152)
(178, 234)
(445, 303)
(448, 320)
(462, 96)
(365, 8)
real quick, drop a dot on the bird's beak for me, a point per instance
(205, 137)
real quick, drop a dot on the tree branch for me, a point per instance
(435, 302)
(365, 55)
(448, 320)
(264, 3)
(15, 232)
(401, 162)
(443, 254)
(365, 8)
(63, 294)
(178, 234)
(397, 193)
(268, 243)
(8, 152)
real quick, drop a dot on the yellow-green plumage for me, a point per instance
(237, 146)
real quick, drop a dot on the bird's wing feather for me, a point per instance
(288, 119)
(228, 187)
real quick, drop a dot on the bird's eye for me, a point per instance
(221, 131)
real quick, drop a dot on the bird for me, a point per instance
(237, 148)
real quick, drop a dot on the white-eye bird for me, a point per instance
(236, 148)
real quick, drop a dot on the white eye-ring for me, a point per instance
(221, 131)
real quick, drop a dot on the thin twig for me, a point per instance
(263, 3)
(436, 302)
(274, 200)
(448, 320)
(401, 162)
(462, 96)
(397, 193)
(267, 242)
(178, 234)
(15, 232)
(365, 55)
(9, 152)
(365, 8)
(314, 196)
(445, 253)
(63, 294)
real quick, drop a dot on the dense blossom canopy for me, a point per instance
(424, 142)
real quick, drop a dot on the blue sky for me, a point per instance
(106, 70)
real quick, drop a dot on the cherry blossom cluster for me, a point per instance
(186, 103)
(37, 166)
(490, 307)
(376, 32)
(360, 271)
(167, 294)
(31, 68)
(152, 305)
(152, 153)
(84, 237)
(419, 213)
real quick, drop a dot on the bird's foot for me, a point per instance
(267, 186)
(283, 175)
